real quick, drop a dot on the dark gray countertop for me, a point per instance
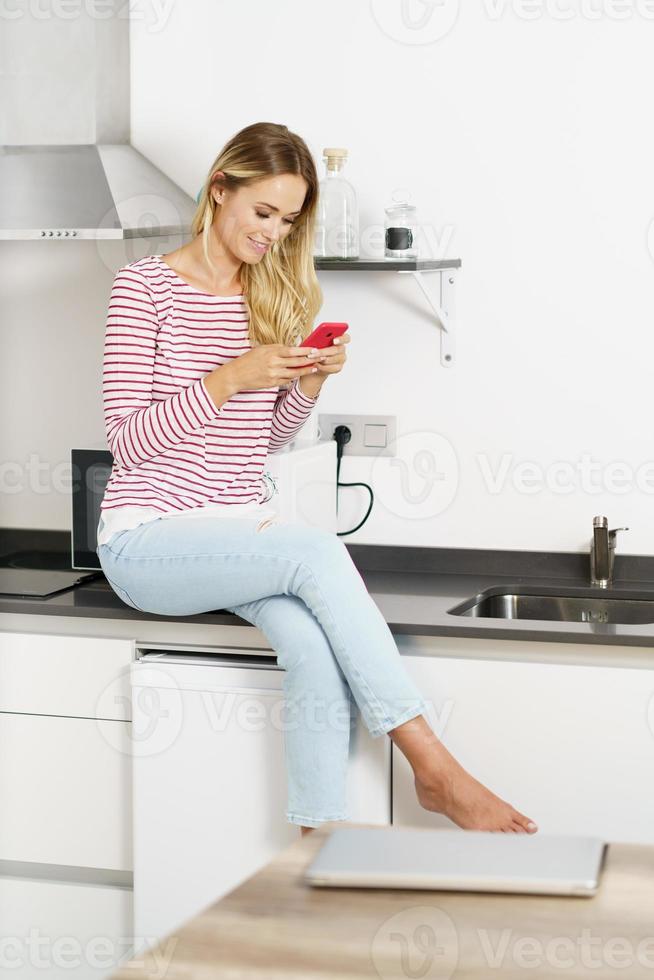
(415, 589)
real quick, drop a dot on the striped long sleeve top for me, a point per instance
(173, 448)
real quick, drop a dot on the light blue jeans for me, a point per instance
(300, 587)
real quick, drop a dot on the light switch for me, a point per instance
(374, 435)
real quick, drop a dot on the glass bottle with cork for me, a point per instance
(337, 224)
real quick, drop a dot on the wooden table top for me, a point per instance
(274, 925)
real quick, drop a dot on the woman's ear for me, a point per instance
(216, 191)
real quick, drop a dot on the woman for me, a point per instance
(202, 379)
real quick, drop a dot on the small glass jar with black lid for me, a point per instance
(400, 231)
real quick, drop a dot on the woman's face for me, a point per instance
(251, 219)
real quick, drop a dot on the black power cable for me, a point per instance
(342, 435)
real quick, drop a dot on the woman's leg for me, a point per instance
(181, 567)
(318, 714)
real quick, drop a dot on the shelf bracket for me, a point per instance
(444, 310)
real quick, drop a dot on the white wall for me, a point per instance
(530, 143)
(53, 305)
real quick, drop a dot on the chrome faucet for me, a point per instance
(602, 552)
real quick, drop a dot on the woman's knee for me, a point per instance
(322, 548)
(291, 628)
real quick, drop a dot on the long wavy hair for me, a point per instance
(282, 291)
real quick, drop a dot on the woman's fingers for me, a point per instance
(298, 360)
(294, 357)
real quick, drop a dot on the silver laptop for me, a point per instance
(458, 860)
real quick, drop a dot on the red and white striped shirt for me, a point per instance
(173, 448)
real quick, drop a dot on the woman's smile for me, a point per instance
(260, 247)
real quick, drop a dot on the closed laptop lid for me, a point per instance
(412, 857)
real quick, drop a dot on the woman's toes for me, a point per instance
(526, 825)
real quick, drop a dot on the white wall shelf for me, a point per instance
(443, 307)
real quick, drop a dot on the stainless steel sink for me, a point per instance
(575, 606)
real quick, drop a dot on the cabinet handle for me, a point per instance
(264, 662)
(66, 873)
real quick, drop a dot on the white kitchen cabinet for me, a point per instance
(571, 746)
(80, 676)
(210, 781)
(65, 819)
(65, 755)
(66, 787)
(63, 930)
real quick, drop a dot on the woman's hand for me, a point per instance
(331, 359)
(267, 365)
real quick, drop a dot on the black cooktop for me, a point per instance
(38, 582)
(39, 572)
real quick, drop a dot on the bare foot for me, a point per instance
(444, 786)
(447, 788)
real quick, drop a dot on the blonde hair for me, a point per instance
(282, 291)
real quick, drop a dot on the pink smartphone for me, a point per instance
(323, 335)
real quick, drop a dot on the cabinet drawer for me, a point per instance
(81, 931)
(65, 786)
(80, 676)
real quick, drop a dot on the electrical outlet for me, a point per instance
(372, 435)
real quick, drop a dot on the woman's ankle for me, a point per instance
(421, 747)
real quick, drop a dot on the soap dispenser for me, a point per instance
(337, 225)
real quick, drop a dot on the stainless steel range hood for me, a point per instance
(87, 191)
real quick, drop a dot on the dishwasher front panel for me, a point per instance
(209, 779)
